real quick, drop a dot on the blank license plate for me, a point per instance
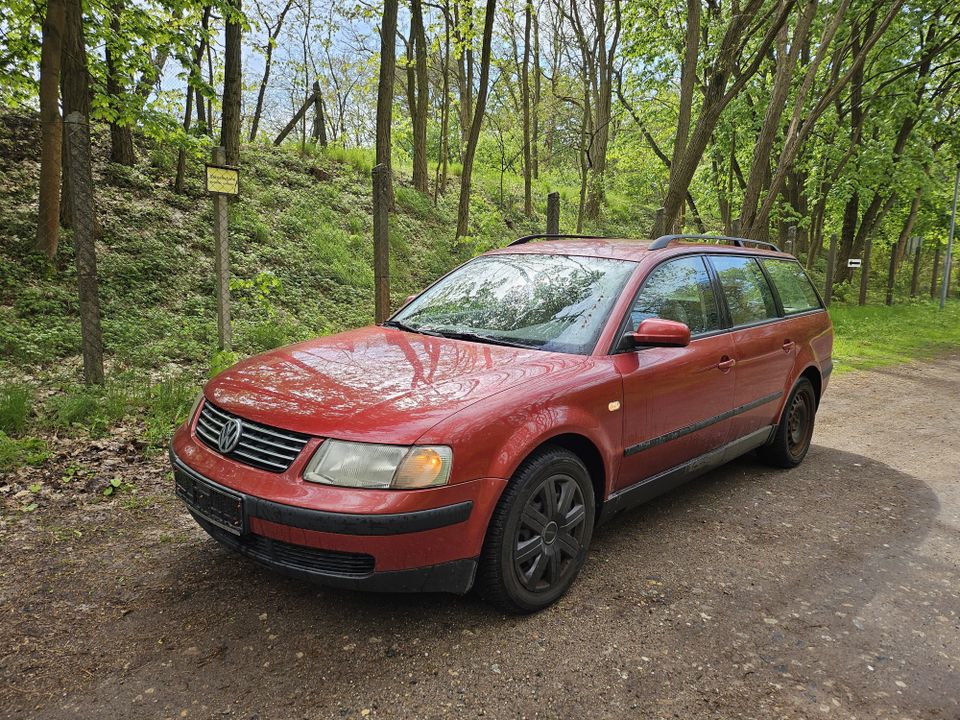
(222, 508)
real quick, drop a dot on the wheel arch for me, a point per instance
(588, 453)
(812, 373)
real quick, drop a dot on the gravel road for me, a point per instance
(831, 590)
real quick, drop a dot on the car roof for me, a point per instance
(625, 248)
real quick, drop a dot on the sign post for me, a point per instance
(222, 181)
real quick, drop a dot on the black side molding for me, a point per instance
(699, 425)
(650, 487)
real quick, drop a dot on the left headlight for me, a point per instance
(365, 465)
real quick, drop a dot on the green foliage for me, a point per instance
(24, 451)
(875, 335)
(16, 402)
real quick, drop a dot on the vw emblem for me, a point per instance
(229, 435)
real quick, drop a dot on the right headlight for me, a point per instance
(367, 465)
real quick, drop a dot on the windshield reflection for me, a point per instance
(547, 302)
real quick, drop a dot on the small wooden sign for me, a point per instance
(854, 262)
(223, 179)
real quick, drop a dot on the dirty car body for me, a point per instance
(487, 428)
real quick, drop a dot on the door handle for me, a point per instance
(788, 345)
(726, 363)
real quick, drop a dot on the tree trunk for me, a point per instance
(463, 209)
(440, 186)
(319, 130)
(421, 177)
(760, 165)
(896, 250)
(716, 96)
(232, 83)
(934, 285)
(272, 34)
(525, 101)
(915, 278)
(804, 119)
(74, 90)
(182, 154)
(121, 136)
(535, 105)
(388, 63)
(51, 130)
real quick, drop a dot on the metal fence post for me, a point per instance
(831, 261)
(553, 213)
(381, 241)
(84, 237)
(221, 259)
(948, 260)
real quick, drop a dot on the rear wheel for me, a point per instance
(539, 533)
(792, 440)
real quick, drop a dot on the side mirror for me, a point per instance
(657, 332)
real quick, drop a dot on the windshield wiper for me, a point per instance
(410, 328)
(480, 337)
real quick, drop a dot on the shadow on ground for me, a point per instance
(740, 593)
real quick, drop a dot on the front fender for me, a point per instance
(492, 437)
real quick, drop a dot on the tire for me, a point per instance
(539, 534)
(792, 440)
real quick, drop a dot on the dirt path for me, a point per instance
(831, 590)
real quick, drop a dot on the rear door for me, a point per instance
(764, 350)
(675, 399)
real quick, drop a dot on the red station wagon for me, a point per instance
(483, 432)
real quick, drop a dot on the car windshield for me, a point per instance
(548, 302)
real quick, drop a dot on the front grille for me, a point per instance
(260, 446)
(301, 557)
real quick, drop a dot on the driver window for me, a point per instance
(679, 290)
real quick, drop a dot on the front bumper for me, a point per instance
(433, 549)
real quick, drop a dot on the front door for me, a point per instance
(676, 400)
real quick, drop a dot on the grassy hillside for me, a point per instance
(301, 254)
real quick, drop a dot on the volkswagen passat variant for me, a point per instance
(481, 434)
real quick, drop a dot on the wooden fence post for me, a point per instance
(84, 236)
(865, 269)
(381, 241)
(553, 213)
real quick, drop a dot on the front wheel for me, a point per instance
(792, 440)
(539, 533)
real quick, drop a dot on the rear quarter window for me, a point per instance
(794, 287)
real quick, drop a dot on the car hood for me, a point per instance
(374, 384)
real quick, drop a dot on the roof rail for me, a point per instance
(552, 236)
(664, 240)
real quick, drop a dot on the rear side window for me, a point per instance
(749, 298)
(792, 284)
(679, 290)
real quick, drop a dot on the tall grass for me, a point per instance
(875, 335)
